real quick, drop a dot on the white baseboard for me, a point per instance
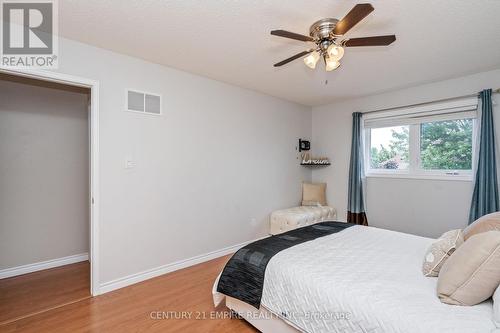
(154, 272)
(38, 266)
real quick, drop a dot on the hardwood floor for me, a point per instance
(28, 294)
(187, 292)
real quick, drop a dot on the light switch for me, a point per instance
(129, 163)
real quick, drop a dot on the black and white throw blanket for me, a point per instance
(243, 275)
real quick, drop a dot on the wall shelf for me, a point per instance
(309, 161)
(315, 164)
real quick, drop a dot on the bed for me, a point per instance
(360, 279)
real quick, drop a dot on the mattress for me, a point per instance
(364, 279)
(243, 276)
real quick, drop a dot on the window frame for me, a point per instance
(415, 169)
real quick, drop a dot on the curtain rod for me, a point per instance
(496, 91)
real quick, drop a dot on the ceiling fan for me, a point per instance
(328, 33)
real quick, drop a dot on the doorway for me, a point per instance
(48, 181)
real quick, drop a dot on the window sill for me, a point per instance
(462, 178)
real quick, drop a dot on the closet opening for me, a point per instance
(47, 177)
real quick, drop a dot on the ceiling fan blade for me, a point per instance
(292, 35)
(371, 41)
(356, 14)
(298, 55)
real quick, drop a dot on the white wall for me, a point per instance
(43, 174)
(217, 159)
(422, 207)
(221, 157)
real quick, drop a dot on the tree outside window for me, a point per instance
(444, 145)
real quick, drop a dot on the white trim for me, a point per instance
(94, 156)
(95, 193)
(164, 269)
(432, 107)
(38, 266)
(415, 170)
(462, 178)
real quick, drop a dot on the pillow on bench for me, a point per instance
(313, 194)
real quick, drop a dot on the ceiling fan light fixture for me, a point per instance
(335, 52)
(328, 35)
(331, 64)
(311, 60)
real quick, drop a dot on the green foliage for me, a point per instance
(379, 157)
(444, 145)
(384, 158)
(400, 143)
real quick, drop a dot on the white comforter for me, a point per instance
(364, 279)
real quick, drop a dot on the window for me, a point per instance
(446, 145)
(389, 148)
(435, 141)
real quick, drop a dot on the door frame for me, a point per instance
(94, 199)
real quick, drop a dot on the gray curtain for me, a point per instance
(356, 205)
(485, 196)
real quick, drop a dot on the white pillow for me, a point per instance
(440, 251)
(496, 307)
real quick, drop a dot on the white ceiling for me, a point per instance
(229, 40)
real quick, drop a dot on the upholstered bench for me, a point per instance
(296, 217)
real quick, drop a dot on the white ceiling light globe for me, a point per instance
(311, 60)
(331, 64)
(335, 52)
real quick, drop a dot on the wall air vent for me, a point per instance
(143, 102)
